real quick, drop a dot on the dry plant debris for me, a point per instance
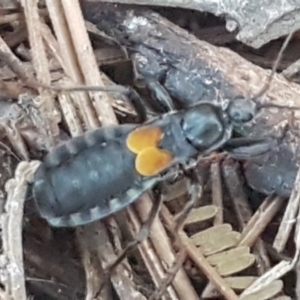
(218, 253)
(255, 24)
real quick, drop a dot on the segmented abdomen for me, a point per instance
(88, 178)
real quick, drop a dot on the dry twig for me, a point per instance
(12, 226)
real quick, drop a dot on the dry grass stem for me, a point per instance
(19, 68)
(161, 243)
(40, 62)
(217, 198)
(263, 218)
(11, 18)
(149, 255)
(72, 68)
(251, 225)
(12, 226)
(86, 60)
(289, 218)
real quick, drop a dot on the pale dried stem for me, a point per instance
(69, 111)
(255, 218)
(15, 138)
(164, 249)
(292, 69)
(13, 89)
(149, 256)
(69, 57)
(12, 226)
(23, 70)
(217, 200)
(102, 55)
(263, 262)
(66, 100)
(191, 4)
(92, 250)
(274, 273)
(172, 273)
(289, 218)
(39, 58)
(262, 218)
(295, 199)
(216, 187)
(51, 44)
(252, 225)
(245, 217)
(93, 274)
(40, 62)
(87, 61)
(239, 201)
(4, 296)
(11, 18)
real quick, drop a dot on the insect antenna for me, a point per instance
(267, 85)
(275, 65)
(131, 95)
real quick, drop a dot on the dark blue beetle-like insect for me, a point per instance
(103, 171)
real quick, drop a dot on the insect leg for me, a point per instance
(172, 271)
(136, 101)
(195, 190)
(275, 66)
(142, 235)
(158, 92)
(243, 148)
(132, 97)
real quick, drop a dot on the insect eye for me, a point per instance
(241, 110)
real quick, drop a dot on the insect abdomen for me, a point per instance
(88, 178)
